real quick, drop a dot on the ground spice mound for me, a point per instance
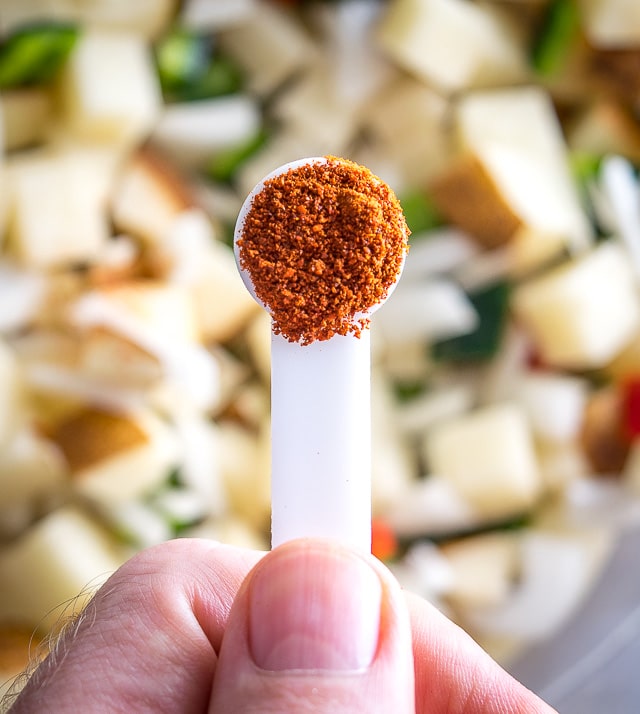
(323, 243)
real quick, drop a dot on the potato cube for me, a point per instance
(488, 457)
(25, 116)
(515, 135)
(408, 120)
(451, 43)
(245, 471)
(144, 17)
(149, 194)
(70, 224)
(314, 106)
(484, 569)
(31, 469)
(554, 404)
(191, 256)
(223, 303)
(467, 195)
(110, 88)
(115, 360)
(115, 458)
(16, 13)
(10, 393)
(269, 45)
(143, 311)
(54, 568)
(611, 23)
(605, 127)
(583, 313)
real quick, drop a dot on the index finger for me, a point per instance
(454, 675)
(148, 641)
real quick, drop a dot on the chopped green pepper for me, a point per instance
(406, 390)
(420, 212)
(559, 29)
(34, 53)
(585, 168)
(491, 304)
(190, 69)
(224, 164)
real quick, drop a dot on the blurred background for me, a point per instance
(134, 366)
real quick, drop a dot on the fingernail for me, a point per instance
(314, 609)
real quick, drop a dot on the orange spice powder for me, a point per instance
(323, 243)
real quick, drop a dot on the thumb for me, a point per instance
(316, 627)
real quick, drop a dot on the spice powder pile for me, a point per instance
(323, 243)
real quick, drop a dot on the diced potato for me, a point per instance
(516, 135)
(207, 15)
(149, 194)
(484, 568)
(468, 196)
(16, 13)
(10, 394)
(393, 463)
(561, 464)
(582, 313)
(53, 569)
(25, 115)
(557, 570)
(451, 43)
(141, 311)
(233, 375)
(119, 261)
(626, 363)
(192, 257)
(258, 337)
(114, 458)
(269, 45)
(314, 106)
(246, 473)
(605, 127)
(231, 531)
(554, 404)
(31, 469)
(114, 359)
(22, 294)
(611, 23)
(488, 457)
(408, 120)
(200, 472)
(147, 18)
(110, 88)
(70, 225)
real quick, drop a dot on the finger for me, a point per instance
(454, 675)
(316, 627)
(148, 641)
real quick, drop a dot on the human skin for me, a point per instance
(192, 626)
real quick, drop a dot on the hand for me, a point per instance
(192, 626)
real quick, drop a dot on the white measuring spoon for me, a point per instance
(320, 426)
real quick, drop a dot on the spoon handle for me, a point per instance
(321, 440)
